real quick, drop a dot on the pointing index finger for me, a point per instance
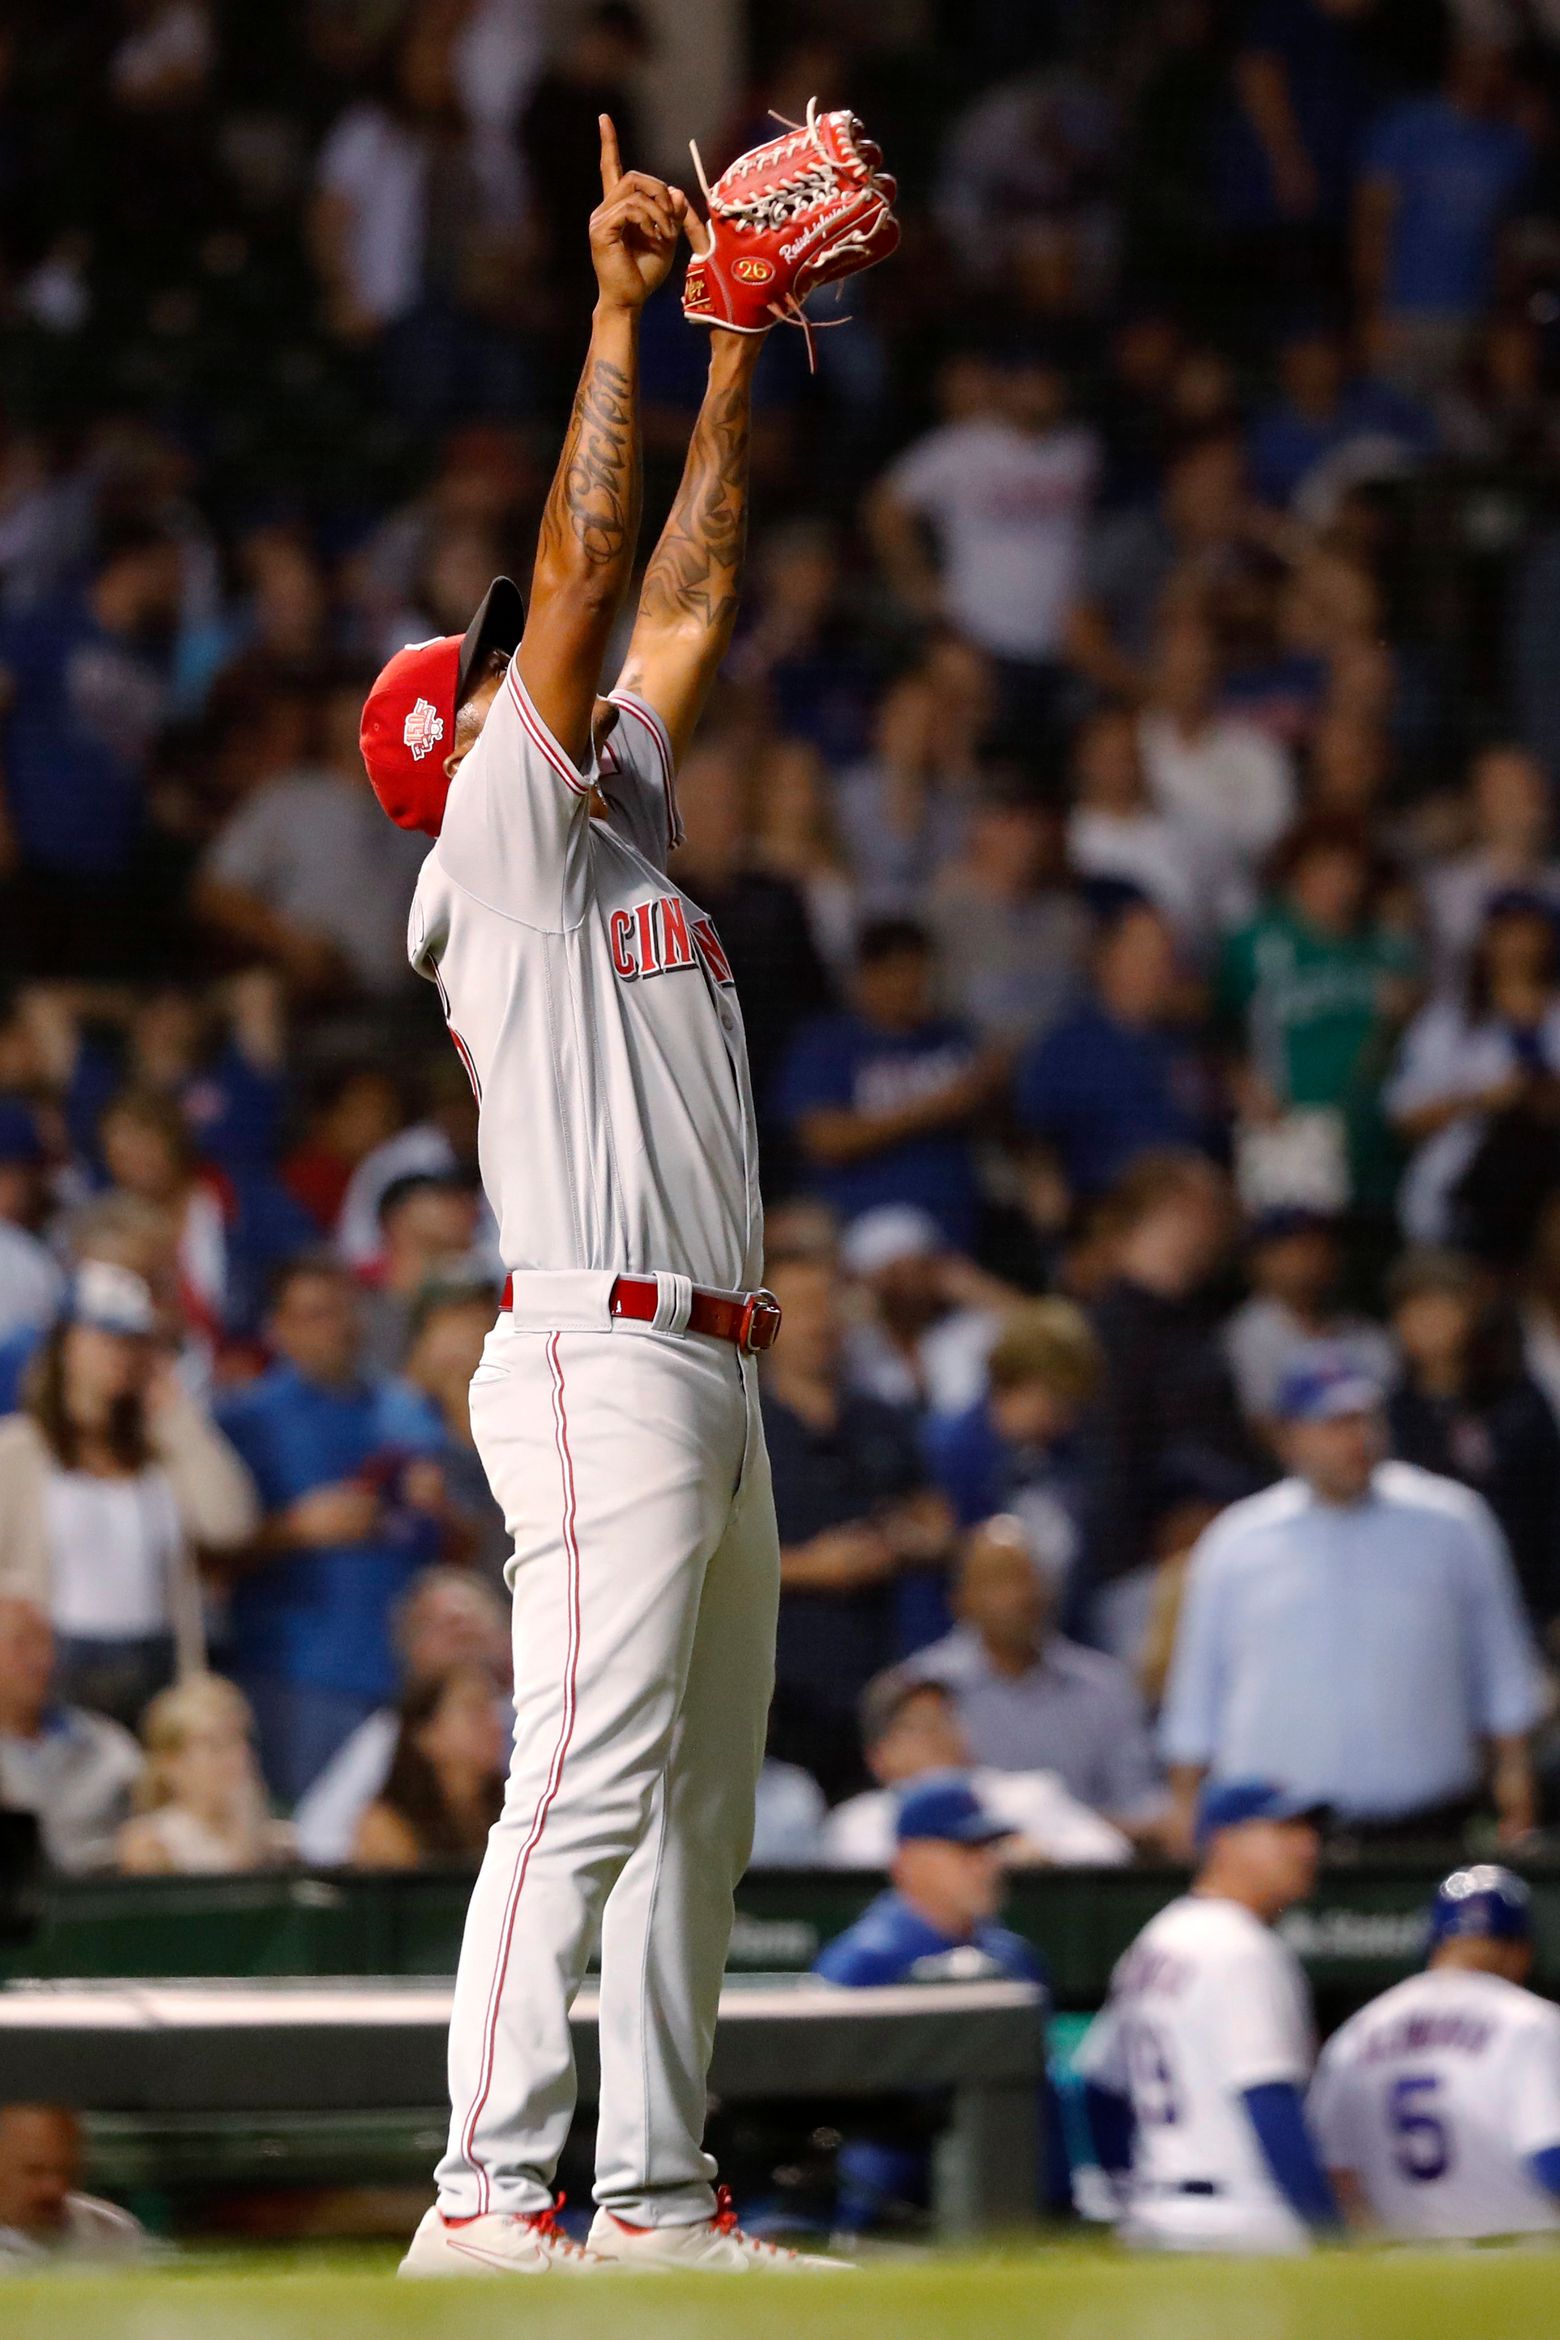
(611, 165)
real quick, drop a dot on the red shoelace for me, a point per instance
(726, 2221)
(546, 2224)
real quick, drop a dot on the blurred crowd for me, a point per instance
(1129, 811)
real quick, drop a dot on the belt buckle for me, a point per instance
(758, 1327)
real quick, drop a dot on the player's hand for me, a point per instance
(342, 1514)
(633, 230)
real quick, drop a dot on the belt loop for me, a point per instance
(673, 1302)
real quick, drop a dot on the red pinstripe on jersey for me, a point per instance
(461, 1049)
(536, 731)
(549, 1792)
(657, 731)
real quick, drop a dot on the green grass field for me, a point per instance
(1063, 2294)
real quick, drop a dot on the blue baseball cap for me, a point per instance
(1230, 1803)
(1325, 1383)
(944, 1808)
(1485, 1902)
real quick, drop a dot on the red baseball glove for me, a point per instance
(802, 211)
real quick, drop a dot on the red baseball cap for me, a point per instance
(408, 726)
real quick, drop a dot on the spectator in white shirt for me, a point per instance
(203, 1808)
(112, 1482)
(1471, 1090)
(1219, 774)
(788, 1818)
(370, 216)
(1116, 830)
(449, 1619)
(910, 1729)
(931, 1318)
(1511, 852)
(73, 1770)
(1006, 494)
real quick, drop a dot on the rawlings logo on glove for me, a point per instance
(805, 210)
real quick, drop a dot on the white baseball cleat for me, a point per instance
(716, 2246)
(499, 2244)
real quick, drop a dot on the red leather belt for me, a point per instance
(749, 1320)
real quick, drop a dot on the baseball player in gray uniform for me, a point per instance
(615, 1408)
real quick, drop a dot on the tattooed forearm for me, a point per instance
(593, 507)
(695, 573)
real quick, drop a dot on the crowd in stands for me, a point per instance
(1129, 810)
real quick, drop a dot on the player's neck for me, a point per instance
(955, 1925)
(1212, 1886)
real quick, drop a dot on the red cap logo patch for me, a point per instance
(424, 728)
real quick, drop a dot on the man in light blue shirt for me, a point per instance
(1356, 1632)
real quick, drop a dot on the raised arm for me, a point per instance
(590, 527)
(688, 605)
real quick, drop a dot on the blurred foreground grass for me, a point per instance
(1057, 2294)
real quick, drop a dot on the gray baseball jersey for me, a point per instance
(595, 1010)
(593, 1006)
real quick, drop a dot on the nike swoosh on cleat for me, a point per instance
(487, 2258)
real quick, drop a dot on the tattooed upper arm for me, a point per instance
(696, 569)
(597, 513)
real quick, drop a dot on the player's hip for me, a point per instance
(630, 1421)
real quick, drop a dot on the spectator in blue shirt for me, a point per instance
(1122, 1075)
(946, 1892)
(938, 1917)
(353, 1495)
(1441, 176)
(1322, 409)
(880, 1099)
(83, 691)
(222, 1059)
(1287, 156)
(1013, 1451)
(1356, 1631)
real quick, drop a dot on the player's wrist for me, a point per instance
(734, 356)
(616, 309)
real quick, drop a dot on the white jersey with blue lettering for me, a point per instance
(1435, 2096)
(593, 1007)
(1206, 2004)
